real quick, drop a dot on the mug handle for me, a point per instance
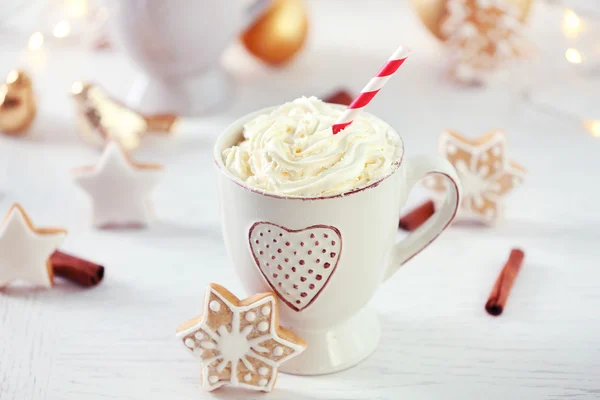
(417, 169)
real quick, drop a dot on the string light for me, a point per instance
(593, 126)
(61, 29)
(571, 24)
(573, 56)
(77, 8)
(36, 41)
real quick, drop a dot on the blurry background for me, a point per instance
(546, 99)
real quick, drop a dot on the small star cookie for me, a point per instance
(480, 35)
(120, 189)
(25, 250)
(485, 173)
(239, 343)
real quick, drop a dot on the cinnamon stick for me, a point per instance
(75, 269)
(417, 216)
(340, 97)
(504, 282)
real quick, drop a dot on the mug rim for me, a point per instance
(225, 134)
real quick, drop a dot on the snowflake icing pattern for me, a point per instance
(239, 342)
(480, 35)
(486, 175)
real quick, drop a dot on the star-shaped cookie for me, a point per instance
(485, 173)
(120, 189)
(239, 343)
(480, 35)
(25, 250)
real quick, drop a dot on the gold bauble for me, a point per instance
(17, 103)
(431, 12)
(279, 33)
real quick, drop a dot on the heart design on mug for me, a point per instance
(297, 264)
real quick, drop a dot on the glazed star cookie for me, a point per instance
(25, 250)
(239, 342)
(486, 174)
(480, 35)
(120, 188)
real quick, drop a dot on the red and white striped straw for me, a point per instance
(369, 91)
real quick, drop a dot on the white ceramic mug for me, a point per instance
(326, 256)
(178, 44)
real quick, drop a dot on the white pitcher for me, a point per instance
(178, 44)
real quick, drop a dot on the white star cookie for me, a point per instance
(239, 343)
(486, 174)
(120, 189)
(25, 250)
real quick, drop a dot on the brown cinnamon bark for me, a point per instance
(75, 269)
(417, 216)
(339, 97)
(497, 300)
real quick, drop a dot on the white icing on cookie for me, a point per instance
(263, 326)
(277, 351)
(120, 189)
(215, 306)
(231, 344)
(24, 251)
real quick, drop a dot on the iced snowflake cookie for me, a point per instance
(486, 174)
(239, 342)
(481, 35)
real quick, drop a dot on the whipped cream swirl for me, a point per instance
(292, 151)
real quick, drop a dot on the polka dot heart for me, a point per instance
(296, 263)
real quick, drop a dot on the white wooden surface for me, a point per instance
(117, 341)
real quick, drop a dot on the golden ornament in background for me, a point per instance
(279, 33)
(102, 118)
(431, 12)
(17, 103)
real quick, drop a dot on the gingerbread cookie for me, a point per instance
(480, 35)
(120, 188)
(486, 174)
(25, 250)
(17, 103)
(239, 342)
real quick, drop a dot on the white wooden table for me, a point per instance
(116, 341)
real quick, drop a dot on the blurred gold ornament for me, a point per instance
(431, 12)
(593, 126)
(279, 33)
(17, 103)
(101, 118)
